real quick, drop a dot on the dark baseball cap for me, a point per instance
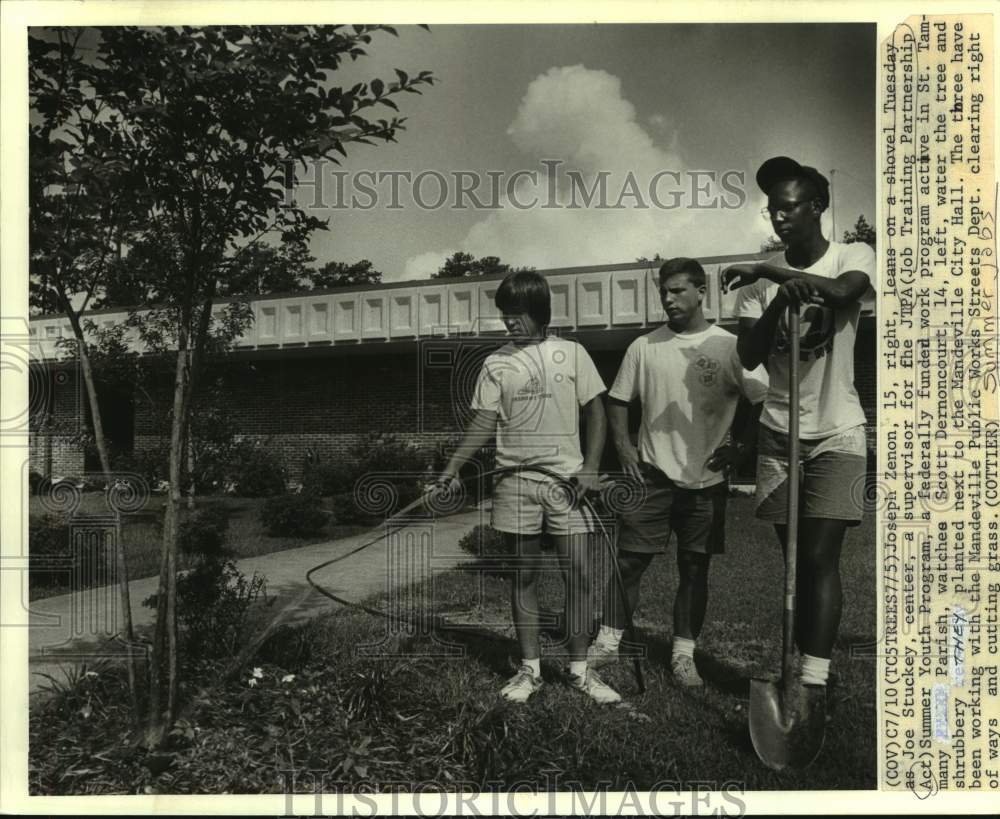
(783, 168)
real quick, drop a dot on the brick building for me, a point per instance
(320, 371)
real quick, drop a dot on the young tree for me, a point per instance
(211, 123)
(465, 264)
(83, 204)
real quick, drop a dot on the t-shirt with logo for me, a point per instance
(689, 385)
(829, 402)
(537, 391)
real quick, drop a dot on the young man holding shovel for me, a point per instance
(828, 280)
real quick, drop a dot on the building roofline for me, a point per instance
(555, 271)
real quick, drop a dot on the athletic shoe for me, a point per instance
(685, 672)
(522, 685)
(594, 687)
(601, 654)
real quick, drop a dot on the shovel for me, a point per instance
(787, 723)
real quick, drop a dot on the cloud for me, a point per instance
(580, 118)
(424, 265)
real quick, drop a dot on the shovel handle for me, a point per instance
(792, 537)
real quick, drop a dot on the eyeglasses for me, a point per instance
(770, 213)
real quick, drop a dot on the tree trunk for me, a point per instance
(166, 597)
(121, 563)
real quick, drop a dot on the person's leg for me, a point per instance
(818, 592)
(524, 594)
(699, 519)
(573, 551)
(631, 565)
(691, 601)
(574, 558)
(641, 534)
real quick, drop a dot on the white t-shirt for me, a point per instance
(829, 402)
(689, 385)
(537, 391)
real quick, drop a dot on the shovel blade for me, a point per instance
(787, 727)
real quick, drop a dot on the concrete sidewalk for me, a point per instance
(72, 629)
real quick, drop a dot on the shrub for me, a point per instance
(293, 515)
(152, 465)
(38, 483)
(345, 510)
(204, 533)
(213, 607)
(391, 454)
(53, 558)
(257, 471)
(329, 478)
(291, 646)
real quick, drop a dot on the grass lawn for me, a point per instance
(401, 712)
(142, 537)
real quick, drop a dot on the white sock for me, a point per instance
(535, 666)
(578, 668)
(815, 670)
(609, 636)
(683, 647)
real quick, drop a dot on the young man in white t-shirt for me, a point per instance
(530, 394)
(829, 280)
(688, 378)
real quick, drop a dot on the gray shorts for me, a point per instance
(696, 516)
(832, 476)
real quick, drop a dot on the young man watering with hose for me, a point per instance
(529, 395)
(828, 279)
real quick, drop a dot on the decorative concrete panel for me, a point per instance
(374, 315)
(403, 313)
(489, 313)
(628, 297)
(267, 323)
(293, 330)
(710, 306)
(654, 310)
(319, 320)
(433, 310)
(593, 306)
(463, 307)
(563, 292)
(346, 318)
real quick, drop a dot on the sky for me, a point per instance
(631, 101)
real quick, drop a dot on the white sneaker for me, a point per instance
(601, 654)
(685, 672)
(521, 686)
(594, 687)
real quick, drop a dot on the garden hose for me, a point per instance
(506, 470)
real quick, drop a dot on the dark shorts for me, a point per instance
(696, 516)
(832, 475)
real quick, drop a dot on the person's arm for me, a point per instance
(597, 433)
(743, 439)
(628, 455)
(478, 434)
(798, 285)
(753, 344)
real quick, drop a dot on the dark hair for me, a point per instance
(681, 264)
(525, 291)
